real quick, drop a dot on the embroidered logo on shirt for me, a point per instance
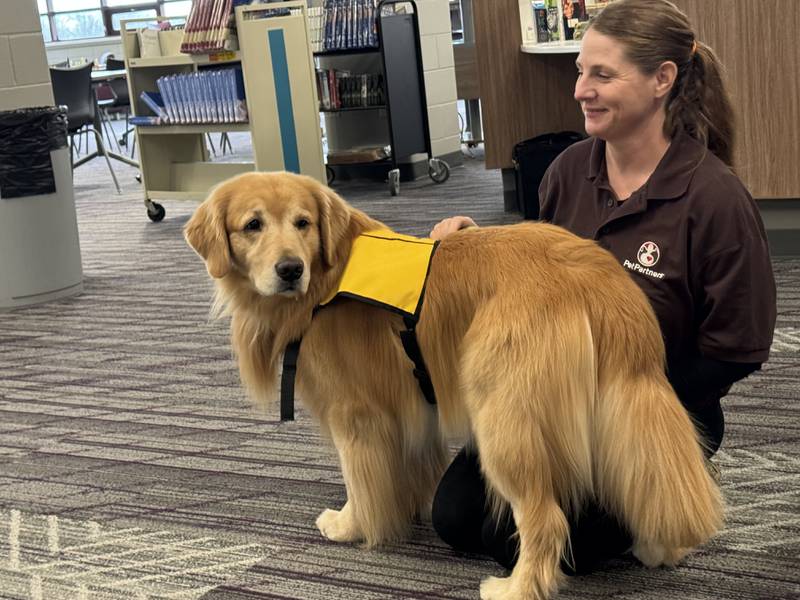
(649, 254)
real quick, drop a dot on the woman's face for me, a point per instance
(617, 99)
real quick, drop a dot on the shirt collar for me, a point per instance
(672, 175)
(597, 160)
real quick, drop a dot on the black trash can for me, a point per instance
(531, 159)
(39, 250)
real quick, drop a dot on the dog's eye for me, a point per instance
(253, 225)
(302, 223)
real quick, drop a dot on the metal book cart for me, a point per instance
(404, 91)
(406, 101)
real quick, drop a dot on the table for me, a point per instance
(101, 75)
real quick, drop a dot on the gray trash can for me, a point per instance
(40, 257)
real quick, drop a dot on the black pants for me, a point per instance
(462, 519)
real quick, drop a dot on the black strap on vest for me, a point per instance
(287, 379)
(410, 345)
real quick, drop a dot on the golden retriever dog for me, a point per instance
(542, 350)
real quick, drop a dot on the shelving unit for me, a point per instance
(567, 47)
(352, 108)
(347, 52)
(564, 44)
(402, 124)
(283, 122)
(199, 128)
(219, 58)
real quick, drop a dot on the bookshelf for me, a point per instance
(217, 58)
(554, 26)
(347, 52)
(401, 122)
(278, 72)
(195, 128)
(566, 47)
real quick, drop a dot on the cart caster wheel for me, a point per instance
(438, 170)
(394, 182)
(157, 213)
(330, 174)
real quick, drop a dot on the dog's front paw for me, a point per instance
(338, 526)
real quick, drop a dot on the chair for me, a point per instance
(119, 87)
(105, 98)
(73, 88)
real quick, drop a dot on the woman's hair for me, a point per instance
(655, 31)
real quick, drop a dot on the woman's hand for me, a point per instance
(447, 226)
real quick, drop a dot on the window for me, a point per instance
(71, 5)
(78, 25)
(114, 15)
(180, 8)
(116, 3)
(45, 21)
(83, 19)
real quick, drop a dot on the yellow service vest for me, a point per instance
(385, 269)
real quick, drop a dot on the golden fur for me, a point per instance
(542, 350)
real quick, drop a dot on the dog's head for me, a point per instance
(271, 228)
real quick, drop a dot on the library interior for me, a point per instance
(541, 222)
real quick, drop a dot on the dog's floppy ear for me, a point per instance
(206, 233)
(334, 219)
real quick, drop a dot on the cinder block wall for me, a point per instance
(440, 75)
(24, 76)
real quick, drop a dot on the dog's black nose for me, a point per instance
(289, 269)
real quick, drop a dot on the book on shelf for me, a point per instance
(149, 42)
(315, 21)
(155, 102)
(207, 96)
(592, 7)
(344, 25)
(266, 13)
(540, 22)
(574, 12)
(563, 20)
(553, 8)
(145, 121)
(338, 89)
(207, 26)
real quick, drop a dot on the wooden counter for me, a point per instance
(524, 95)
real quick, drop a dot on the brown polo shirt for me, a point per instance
(691, 237)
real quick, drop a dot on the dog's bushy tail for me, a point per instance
(650, 469)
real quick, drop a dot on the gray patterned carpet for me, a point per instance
(131, 465)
